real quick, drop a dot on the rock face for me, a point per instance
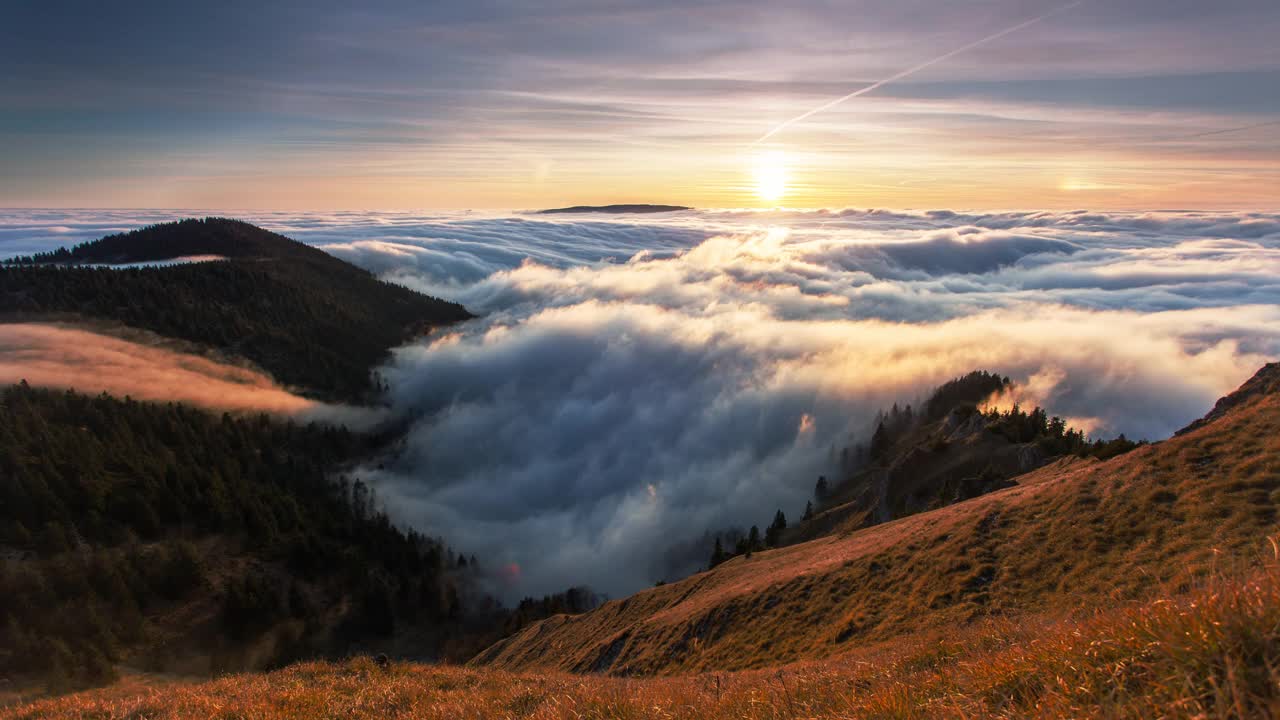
(1074, 533)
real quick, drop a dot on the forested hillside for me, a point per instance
(313, 321)
(947, 450)
(170, 538)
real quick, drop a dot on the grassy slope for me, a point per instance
(1212, 653)
(1075, 533)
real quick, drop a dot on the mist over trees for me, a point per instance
(575, 600)
(156, 533)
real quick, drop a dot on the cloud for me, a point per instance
(60, 356)
(635, 382)
(540, 439)
(605, 409)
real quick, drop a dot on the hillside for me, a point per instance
(945, 452)
(1212, 652)
(313, 321)
(1075, 533)
(952, 448)
(165, 537)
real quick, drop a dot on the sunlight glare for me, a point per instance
(771, 176)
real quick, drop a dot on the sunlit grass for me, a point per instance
(1213, 652)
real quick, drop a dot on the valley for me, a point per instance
(1085, 609)
(956, 548)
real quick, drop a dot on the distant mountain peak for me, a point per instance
(618, 209)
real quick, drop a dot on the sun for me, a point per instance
(771, 176)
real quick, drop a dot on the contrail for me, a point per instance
(1242, 128)
(916, 69)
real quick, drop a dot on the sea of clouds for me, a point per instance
(635, 381)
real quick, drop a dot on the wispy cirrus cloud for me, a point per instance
(497, 104)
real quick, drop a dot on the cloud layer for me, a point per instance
(637, 381)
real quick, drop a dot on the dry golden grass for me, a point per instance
(1071, 536)
(1213, 652)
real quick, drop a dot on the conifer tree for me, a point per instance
(774, 533)
(718, 555)
(820, 489)
(879, 442)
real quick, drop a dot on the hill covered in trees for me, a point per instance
(169, 538)
(313, 321)
(946, 451)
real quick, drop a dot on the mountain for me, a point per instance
(1077, 533)
(615, 209)
(313, 321)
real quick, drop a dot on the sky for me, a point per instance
(633, 382)
(1138, 104)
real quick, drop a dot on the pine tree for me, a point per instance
(808, 512)
(753, 540)
(718, 555)
(879, 442)
(774, 533)
(820, 489)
